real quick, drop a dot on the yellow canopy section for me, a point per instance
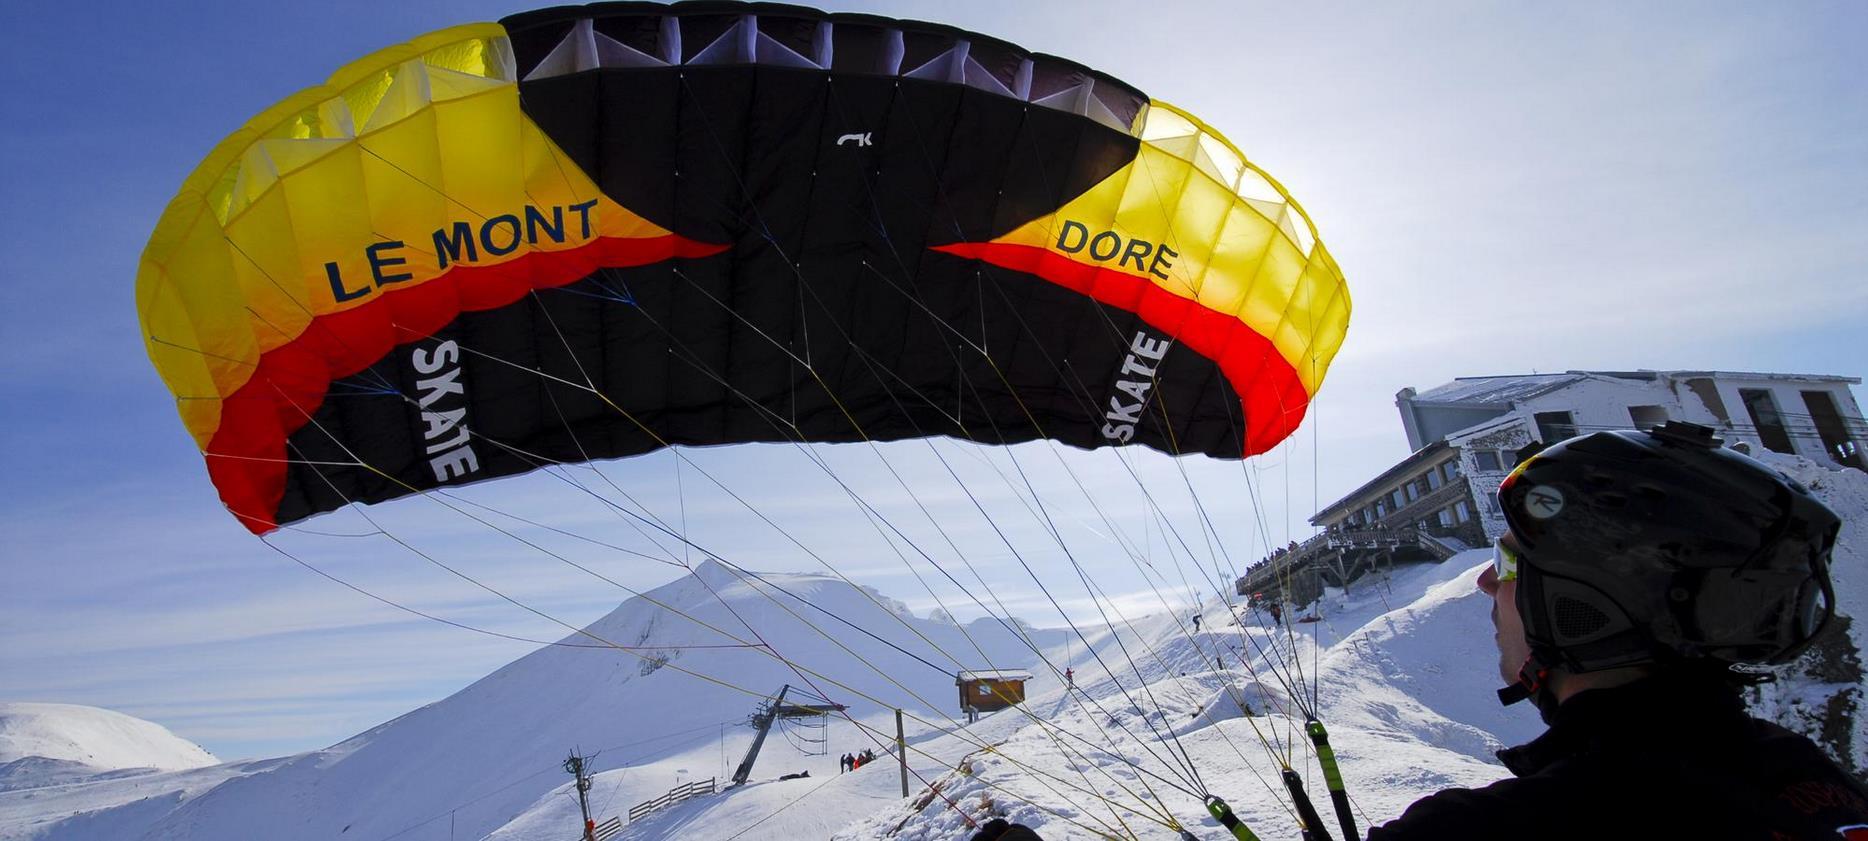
(1197, 219)
(405, 163)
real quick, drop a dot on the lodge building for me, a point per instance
(1466, 435)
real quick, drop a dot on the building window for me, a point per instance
(1554, 426)
(1452, 469)
(1433, 479)
(1413, 490)
(1647, 417)
(1764, 417)
(1832, 428)
(1486, 459)
(1446, 517)
(1398, 499)
(1462, 511)
(1381, 509)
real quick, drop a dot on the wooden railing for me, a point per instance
(608, 829)
(674, 795)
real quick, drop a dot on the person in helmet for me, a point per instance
(1638, 569)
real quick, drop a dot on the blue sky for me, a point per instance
(1508, 188)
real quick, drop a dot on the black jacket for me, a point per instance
(1660, 758)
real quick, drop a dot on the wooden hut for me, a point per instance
(985, 691)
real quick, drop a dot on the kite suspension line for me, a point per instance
(199, 289)
(874, 733)
(738, 571)
(1048, 522)
(1098, 595)
(766, 232)
(540, 372)
(1313, 726)
(1116, 529)
(1209, 532)
(1054, 532)
(609, 644)
(749, 578)
(730, 492)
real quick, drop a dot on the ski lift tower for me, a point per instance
(769, 713)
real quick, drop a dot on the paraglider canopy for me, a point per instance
(592, 232)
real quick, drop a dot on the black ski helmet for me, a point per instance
(1658, 546)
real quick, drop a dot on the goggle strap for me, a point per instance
(1530, 682)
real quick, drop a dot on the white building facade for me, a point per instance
(1487, 420)
(1466, 435)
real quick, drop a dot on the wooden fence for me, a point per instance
(674, 795)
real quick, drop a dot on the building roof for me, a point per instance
(990, 674)
(1749, 375)
(1501, 391)
(1495, 391)
(1406, 467)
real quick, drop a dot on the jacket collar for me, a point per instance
(1658, 710)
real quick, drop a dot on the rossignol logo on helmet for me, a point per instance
(1543, 502)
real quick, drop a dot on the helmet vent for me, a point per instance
(1578, 619)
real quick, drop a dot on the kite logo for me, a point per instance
(1543, 502)
(1074, 237)
(1135, 379)
(861, 139)
(461, 242)
(450, 451)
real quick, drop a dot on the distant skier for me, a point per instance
(1196, 621)
(1277, 613)
(843, 764)
(1070, 678)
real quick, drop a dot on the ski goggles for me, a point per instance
(1505, 561)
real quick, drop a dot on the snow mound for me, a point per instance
(66, 735)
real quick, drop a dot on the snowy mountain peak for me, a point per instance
(101, 739)
(715, 574)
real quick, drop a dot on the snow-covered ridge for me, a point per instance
(58, 744)
(466, 765)
(96, 737)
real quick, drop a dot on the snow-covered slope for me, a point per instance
(50, 744)
(1389, 687)
(463, 766)
(1392, 705)
(1401, 667)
